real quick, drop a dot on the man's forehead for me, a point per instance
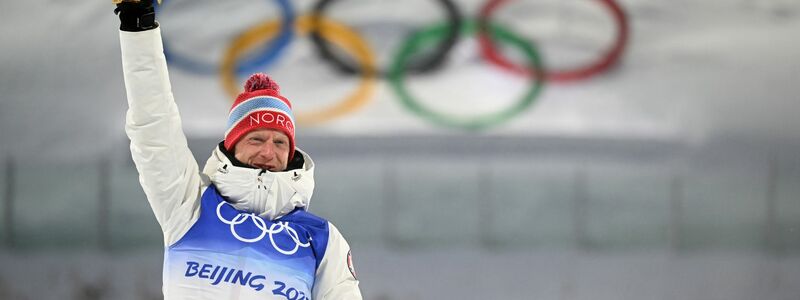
(266, 132)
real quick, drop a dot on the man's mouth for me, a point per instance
(264, 166)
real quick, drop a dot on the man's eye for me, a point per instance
(257, 140)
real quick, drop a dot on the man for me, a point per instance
(239, 228)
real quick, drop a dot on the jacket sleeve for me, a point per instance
(335, 278)
(168, 173)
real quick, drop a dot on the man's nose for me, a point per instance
(267, 149)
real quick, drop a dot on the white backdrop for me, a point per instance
(691, 70)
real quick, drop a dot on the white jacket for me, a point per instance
(174, 184)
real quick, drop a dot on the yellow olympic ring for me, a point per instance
(336, 33)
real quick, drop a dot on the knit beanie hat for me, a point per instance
(260, 106)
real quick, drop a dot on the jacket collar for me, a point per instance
(270, 195)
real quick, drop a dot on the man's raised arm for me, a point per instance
(168, 172)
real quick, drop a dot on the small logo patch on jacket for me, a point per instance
(350, 264)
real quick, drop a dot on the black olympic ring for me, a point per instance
(427, 63)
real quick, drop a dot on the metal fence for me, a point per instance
(678, 199)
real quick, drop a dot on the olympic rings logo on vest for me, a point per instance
(425, 49)
(258, 222)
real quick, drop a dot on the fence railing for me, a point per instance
(422, 201)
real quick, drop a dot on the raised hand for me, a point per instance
(136, 15)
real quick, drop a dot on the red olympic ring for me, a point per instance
(609, 58)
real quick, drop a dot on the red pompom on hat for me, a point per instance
(260, 81)
(260, 106)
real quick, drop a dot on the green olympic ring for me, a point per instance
(428, 35)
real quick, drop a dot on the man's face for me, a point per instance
(266, 149)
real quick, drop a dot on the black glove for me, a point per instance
(136, 16)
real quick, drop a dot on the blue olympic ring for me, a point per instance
(251, 64)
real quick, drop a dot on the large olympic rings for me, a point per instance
(472, 123)
(251, 64)
(338, 34)
(609, 57)
(276, 34)
(424, 64)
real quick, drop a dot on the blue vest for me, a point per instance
(231, 254)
